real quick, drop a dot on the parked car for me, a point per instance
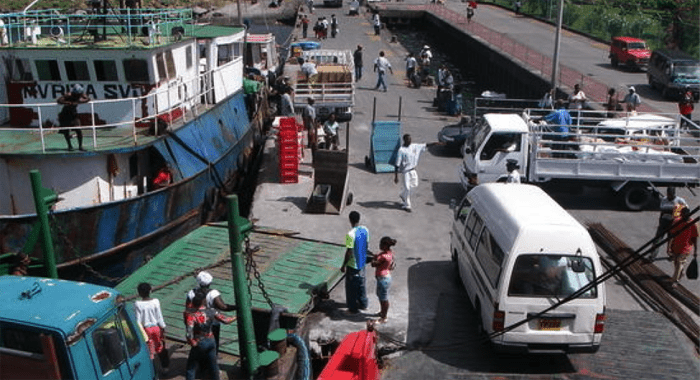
(629, 51)
(455, 135)
(671, 71)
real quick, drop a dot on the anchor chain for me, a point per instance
(69, 247)
(251, 266)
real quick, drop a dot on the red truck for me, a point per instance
(629, 51)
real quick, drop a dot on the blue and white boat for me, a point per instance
(165, 92)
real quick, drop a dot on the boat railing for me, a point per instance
(49, 28)
(155, 123)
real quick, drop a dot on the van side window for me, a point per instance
(463, 210)
(474, 224)
(490, 256)
(500, 142)
(132, 340)
(109, 345)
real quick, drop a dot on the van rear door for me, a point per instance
(538, 281)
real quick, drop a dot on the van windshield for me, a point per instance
(537, 275)
(689, 70)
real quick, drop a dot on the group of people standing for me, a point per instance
(357, 256)
(202, 318)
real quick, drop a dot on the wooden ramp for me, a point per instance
(293, 271)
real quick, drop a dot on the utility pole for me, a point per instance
(557, 42)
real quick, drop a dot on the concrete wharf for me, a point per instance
(429, 312)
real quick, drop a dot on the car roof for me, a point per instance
(628, 39)
(53, 304)
(501, 122)
(637, 122)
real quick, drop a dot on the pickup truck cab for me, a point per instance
(57, 329)
(629, 51)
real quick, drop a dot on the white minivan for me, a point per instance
(518, 252)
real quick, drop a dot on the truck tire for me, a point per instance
(636, 196)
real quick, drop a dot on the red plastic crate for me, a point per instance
(288, 122)
(289, 165)
(289, 156)
(288, 149)
(287, 132)
(288, 141)
(289, 178)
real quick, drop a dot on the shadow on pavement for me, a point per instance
(454, 338)
(446, 191)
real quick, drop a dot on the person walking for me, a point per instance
(308, 115)
(150, 317)
(304, 26)
(411, 64)
(670, 209)
(406, 163)
(686, 105)
(683, 243)
(377, 23)
(632, 100)
(213, 301)
(356, 243)
(68, 117)
(381, 65)
(383, 263)
(518, 5)
(357, 60)
(470, 12)
(199, 324)
(286, 105)
(334, 26)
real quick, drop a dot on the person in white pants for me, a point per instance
(406, 162)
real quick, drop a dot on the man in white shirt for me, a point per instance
(411, 64)
(513, 174)
(309, 69)
(632, 100)
(377, 23)
(381, 65)
(406, 162)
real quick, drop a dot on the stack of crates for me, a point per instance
(289, 150)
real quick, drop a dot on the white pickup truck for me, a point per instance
(334, 88)
(632, 155)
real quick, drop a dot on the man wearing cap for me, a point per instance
(632, 100)
(513, 174)
(212, 300)
(68, 117)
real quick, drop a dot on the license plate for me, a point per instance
(550, 324)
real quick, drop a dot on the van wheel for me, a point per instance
(636, 197)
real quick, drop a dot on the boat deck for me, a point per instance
(291, 270)
(26, 141)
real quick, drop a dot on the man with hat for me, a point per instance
(212, 298)
(632, 100)
(513, 174)
(68, 117)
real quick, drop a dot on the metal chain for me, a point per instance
(69, 247)
(251, 261)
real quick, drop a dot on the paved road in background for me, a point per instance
(428, 305)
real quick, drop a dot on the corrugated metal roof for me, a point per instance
(291, 268)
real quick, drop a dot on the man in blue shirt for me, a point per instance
(356, 242)
(559, 121)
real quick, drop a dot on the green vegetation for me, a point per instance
(662, 23)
